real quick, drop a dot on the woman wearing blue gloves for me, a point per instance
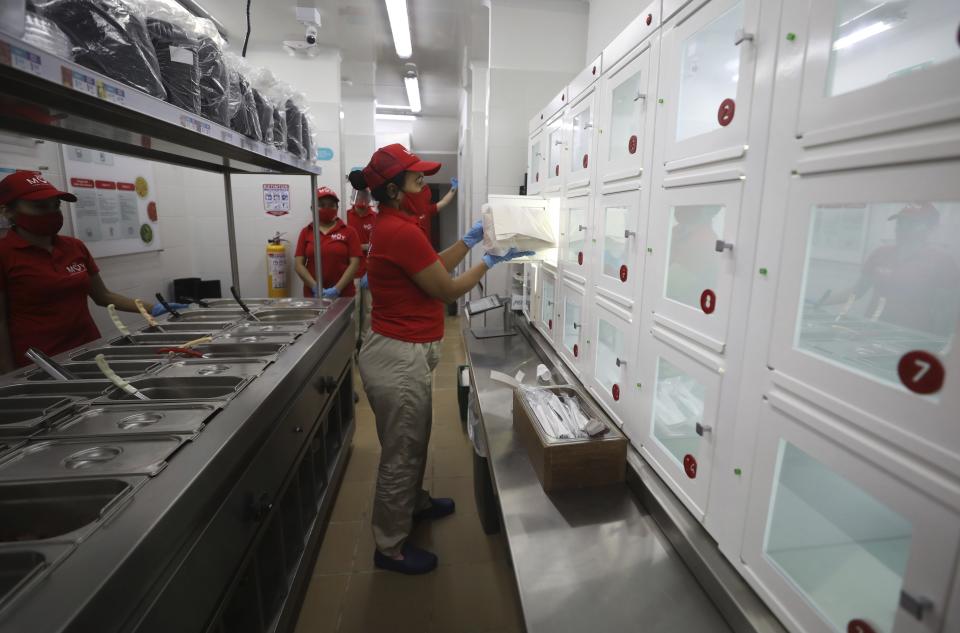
(410, 284)
(340, 251)
(46, 279)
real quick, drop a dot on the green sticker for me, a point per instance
(146, 233)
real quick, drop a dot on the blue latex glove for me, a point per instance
(474, 235)
(331, 293)
(364, 283)
(158, 308)
(492, 260)
(454, 183)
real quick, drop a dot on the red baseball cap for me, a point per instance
(327, 192)
(29, 185)
(918, 212)
(392, 160)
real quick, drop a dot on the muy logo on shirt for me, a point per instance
(338, 236)
(77, 268)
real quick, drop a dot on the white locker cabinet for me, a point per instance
(613, 342)
(573, 324)
(581, 141)
(868, 301)
(639, 29)
(706, 80)
(555, 154)
(843, 534)
(692, 233)
(626, 99)
(574, 236)
(585, 79)
(547, 314)
(873, 66)
(617, 226)
(678, 401)
(536, 165)
(531, 290)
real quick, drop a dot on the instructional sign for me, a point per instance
(115, 212)
(276, 199)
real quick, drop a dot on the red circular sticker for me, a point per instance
(550, 324)
(649, 19)
(708, 301)
(585, 160)
(859, 626)
(594, 70)
(576, 350)
(690, 466)
(623, 273)
(580, 258)
(616, 393)
(563, 97)
(152, 211)
(725, 112)
(557, 170)
(920, 372)
(632, 144)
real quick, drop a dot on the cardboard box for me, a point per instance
(574, 463)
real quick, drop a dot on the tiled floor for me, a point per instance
(473, 590)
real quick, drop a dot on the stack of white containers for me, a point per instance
(758, 278)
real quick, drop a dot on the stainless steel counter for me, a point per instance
(585, 560)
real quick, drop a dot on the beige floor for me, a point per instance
(472, 591)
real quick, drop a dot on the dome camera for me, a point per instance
(311, 35)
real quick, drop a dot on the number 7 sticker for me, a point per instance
(920, 372)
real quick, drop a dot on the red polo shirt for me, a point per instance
(399, 250)
(337, 246)
(46, 295)
(363, 225)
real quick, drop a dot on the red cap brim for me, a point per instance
(428, 167)
(46, 194)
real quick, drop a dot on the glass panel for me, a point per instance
(626, 115)
(535, 161)
(555, 151)
(614, 241)
(692, 263)
(582, 134)
(880, 280)
(547, 300)
(845, 551)
(677, 407)
(709, 72)
(576, 217)
(609, 347)
(571, 322)
(875, 40)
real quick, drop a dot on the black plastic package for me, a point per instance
(265, 115)
(245, 119)
(214, 82)
(110, 37)
(306, 139)
(177, 56)
(279, 129)
(46, 35)
(294, 129)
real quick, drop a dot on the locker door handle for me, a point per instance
(915, 606)
(588, 126)
(558, 142)
(628, 233)
(703, 428)
(576, 325)
(723, 246)
(741, 36)
(621, 363)
(639, 96)
(581, 227)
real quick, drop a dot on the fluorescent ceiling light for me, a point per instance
(400, 26)
(413, 92)
(861, 34)
(390, 107)
(383, 116)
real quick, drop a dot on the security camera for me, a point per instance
(311, 35)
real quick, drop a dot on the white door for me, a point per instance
(572, 324)
(626, 101)
(613, 346)
(531, 292)
(548, 315)
(706, 80)
(556, 163)
(841, 534)
(618, 243)
(873, 66)
(574, 236)
(581, 140)
(535, 165)
(868, 304)
(692, 234)
(677, 414)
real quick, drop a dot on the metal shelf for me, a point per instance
(44, 96)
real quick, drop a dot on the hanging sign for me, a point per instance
(920, 372)
(276, 199)
(690, 466)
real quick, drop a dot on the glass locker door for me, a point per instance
(548, 316)
(618, 243)
(535, 168)
(842, 543)
(530, 290)
(869, 297)
(707, 78)
(622, 141)
(574, 317)
(580, 123)
(574, 231)
(556, 163)
(868, 61)
(613, 339)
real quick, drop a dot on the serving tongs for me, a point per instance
(53, 369)
(147, 316)
(186, 349)
(236, 296)
(112, 310)
(166, 305)
(104, 366)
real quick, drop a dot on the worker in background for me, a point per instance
(45, 278)
(410, 284)
(339, 251)
(361, 219)
(420, 205)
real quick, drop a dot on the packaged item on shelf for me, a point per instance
(265, 115)
(306, 136)
(264, 83)
(110, 37)
(243, 109)
(172, 33)
(278, 93)
(47, 36)
(294, 128)
(214, 77)
(526, 229)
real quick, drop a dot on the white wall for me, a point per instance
(607, 18)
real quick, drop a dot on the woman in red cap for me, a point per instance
(410, 284)
(339, 251)
(361, 218)
(45, 278)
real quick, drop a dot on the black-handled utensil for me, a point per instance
(168, 307)
(236, 296)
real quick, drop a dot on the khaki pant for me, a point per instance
(363, 306)
(398, 379)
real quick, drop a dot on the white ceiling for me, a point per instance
(443, 33)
